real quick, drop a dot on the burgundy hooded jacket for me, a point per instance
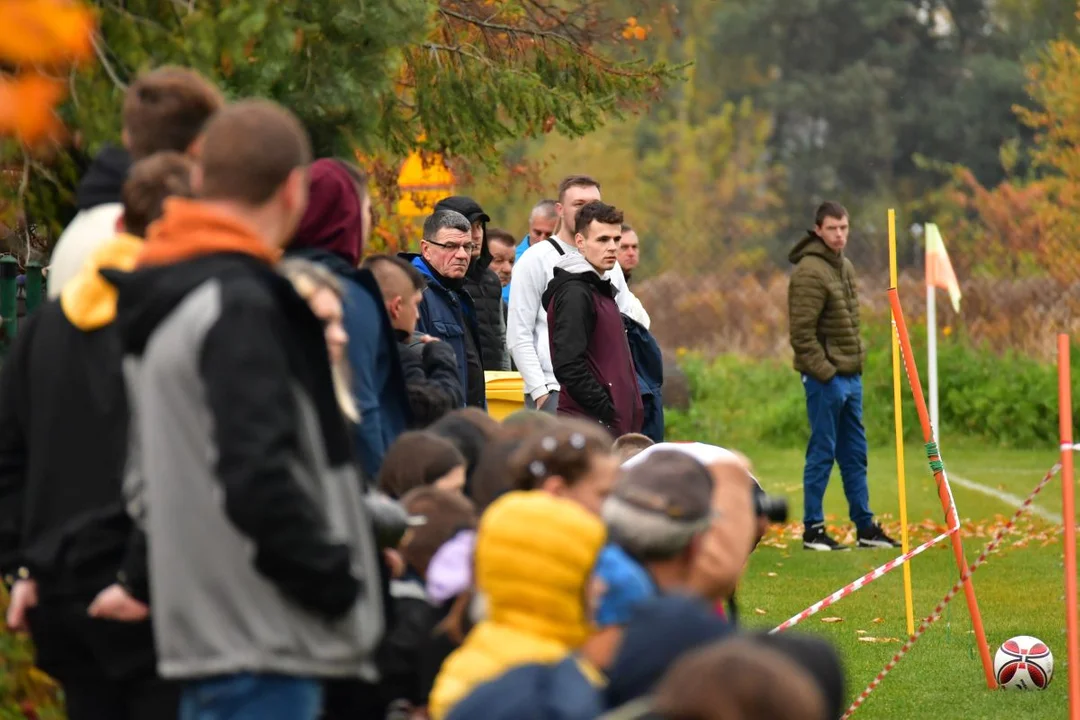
(589, 351)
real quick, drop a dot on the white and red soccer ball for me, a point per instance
(1024, 663)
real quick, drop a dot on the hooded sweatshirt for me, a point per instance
(62, 514)
(823, 305)
(330, 234)
(527, 321)
(263, 558)
(589, 351)
(485, 289)
(534, 555)
(100, 209)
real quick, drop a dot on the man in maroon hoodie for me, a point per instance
(589, 351)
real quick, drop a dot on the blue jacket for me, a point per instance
(448, 314)
(534, 692)
(649, 366)
(378, 381)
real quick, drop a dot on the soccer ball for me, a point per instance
(1024, 663)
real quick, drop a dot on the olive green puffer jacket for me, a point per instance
(823, 309)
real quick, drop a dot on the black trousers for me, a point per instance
(106, 668)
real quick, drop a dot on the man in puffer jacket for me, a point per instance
(483, 285)
(824, 308)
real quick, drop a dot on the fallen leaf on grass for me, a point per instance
(759, 611)
(832, 619)
(878, 621)
(868, 639)
(860, 632)
(772, 574)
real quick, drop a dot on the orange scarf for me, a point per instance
(190, 229)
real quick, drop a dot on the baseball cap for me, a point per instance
(668, 483)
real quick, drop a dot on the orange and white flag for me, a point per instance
(939, 270)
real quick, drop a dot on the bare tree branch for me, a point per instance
(109, 70)
(24, 185)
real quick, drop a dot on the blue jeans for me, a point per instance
(836, 435)
(248, 696)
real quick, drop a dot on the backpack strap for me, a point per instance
(555, 244)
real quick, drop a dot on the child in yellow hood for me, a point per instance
(535, 553)
(88, 299)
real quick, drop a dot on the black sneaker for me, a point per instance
(875, 537)
(815, 538)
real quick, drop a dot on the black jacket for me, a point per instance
(485, 288)
(401, 656)
(104, 178)
(431, 378)
(63, 445)
(256, 429)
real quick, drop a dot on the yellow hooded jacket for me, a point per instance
(534, 556)
(88, 299)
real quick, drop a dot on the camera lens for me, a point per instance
(771, 507)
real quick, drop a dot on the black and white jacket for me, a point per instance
(262, 556)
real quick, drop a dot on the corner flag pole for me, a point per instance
(944, 493)
(898, 413)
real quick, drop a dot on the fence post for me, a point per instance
(9, 270)
(35, 288)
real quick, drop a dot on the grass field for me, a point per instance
(1020, 588)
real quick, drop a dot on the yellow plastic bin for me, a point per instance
(505, 393)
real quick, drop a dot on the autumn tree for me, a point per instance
(1054, 84)
(41, 43)
(1027, 224)
(454, 77)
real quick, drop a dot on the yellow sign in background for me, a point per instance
(422, 185)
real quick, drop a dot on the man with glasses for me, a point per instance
(446, 311)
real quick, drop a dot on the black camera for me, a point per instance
(388, 519)
(771, 507)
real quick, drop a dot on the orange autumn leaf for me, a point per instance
(44, 31)
(226, 63)
(26, 107)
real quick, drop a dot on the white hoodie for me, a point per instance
(88, 231)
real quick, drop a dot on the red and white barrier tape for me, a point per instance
(936, 614)
(859, 584)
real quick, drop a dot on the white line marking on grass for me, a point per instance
(1008, 498)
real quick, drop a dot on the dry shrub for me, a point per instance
(747, 315)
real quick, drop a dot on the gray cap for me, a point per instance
(668, 483)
